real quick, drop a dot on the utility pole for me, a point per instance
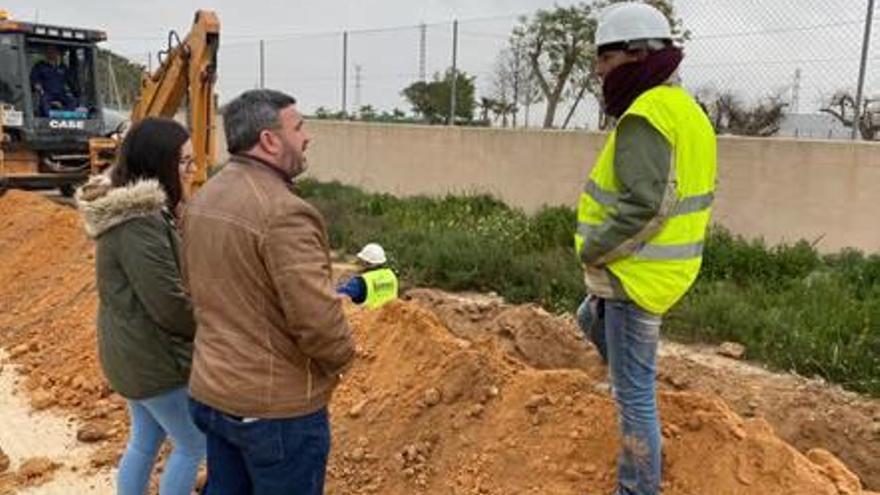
(454, 88)
(423, 50)
(796, 92)
(344, 72)
(262, 64)
(516, 83)
(869, 19)
(357, 87)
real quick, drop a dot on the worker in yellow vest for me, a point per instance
(642, 220)
(376, 284)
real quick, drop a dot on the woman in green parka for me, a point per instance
(145, 318)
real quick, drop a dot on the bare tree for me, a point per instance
(842, 106)
(513, 83)
(504, 84)
(730, 115)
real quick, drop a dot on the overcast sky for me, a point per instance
(752, 47)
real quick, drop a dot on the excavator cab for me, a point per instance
(50, 106)
(55, 132)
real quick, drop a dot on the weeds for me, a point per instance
(790, 306)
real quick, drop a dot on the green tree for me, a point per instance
(323, 113)
(487, 107)
(367, 113)
(431, 100)
(560, 51)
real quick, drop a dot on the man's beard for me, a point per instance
(292, 161)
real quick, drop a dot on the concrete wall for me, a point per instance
(781, 190)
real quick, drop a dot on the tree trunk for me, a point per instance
(577, 101)
(550, 116)
(556, 95)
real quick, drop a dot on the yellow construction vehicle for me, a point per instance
(188, 68)
(51, 116)
(49, 103)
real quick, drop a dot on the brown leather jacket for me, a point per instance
(271, 337)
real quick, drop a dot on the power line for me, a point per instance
(793, 29)
(307, 34)
(739, 63)
(477, 34)
(241, 39)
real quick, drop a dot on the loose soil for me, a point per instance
(457, 395)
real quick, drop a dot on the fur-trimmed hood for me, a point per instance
(103, 206)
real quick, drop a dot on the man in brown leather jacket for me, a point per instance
(271, 339)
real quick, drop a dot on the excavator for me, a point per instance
(52, 122)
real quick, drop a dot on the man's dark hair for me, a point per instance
(245, 117)
(151, 150)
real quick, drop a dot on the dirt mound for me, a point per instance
(806, 413)
(505, 404)
(526, 332)
(425, 411)
(49, 306)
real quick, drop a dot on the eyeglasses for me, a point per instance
(187, 162)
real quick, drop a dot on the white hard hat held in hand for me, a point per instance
(631, 21)
(372, 254)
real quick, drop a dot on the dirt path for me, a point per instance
(27, 434)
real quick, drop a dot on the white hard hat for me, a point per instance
(373, 254)
(630, 21)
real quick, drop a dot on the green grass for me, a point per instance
(790, 306)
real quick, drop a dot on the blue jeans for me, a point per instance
(248, 456)
(46, 102)
(151, 421)
(629, 341)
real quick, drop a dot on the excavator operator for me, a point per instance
(53, 83)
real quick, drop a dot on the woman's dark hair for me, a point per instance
(151, 150)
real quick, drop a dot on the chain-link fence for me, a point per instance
(801, 55)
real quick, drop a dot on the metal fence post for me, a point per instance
(857, 114)
(454, 88)
(344, 72)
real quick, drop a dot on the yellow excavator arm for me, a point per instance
(187, 69)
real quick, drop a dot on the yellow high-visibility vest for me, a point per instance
(660, 269)
(382, 287)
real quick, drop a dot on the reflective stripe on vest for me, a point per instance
(382, 287)
(656, 251)
(690, 204)
(659, 270)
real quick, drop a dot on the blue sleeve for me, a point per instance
(37, 74)
(355, 288)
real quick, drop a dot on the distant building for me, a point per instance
(813, 126)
